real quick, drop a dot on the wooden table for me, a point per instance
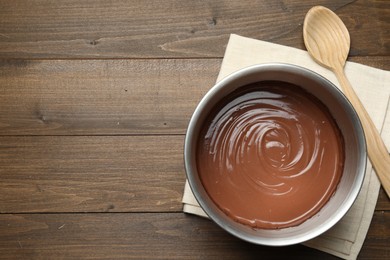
(95, 100)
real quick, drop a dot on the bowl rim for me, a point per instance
(284, 67)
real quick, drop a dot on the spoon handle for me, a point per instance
(377, 151)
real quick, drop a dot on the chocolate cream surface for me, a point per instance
(270, 156)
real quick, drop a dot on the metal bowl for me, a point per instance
(354, 141)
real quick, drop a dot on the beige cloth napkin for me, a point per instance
(346, 238)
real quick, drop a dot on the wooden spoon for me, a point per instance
(327, 41)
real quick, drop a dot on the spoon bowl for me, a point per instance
(329, 48)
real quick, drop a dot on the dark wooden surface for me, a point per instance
(95, 98)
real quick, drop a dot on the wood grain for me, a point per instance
(383, 201)
(106, 97)
(91, 174)
(151, 236)
(377, 242)
(101, 97)
(380, 62)
(157, 29)
(49, 174)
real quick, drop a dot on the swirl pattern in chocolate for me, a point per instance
(270, 156)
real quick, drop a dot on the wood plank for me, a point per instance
(383, 201)
(157, 29)
(101, 97)
(125, 236)
(107, 97)
(153, 235)
(94, 174)
(377, 242)
(91, 174)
